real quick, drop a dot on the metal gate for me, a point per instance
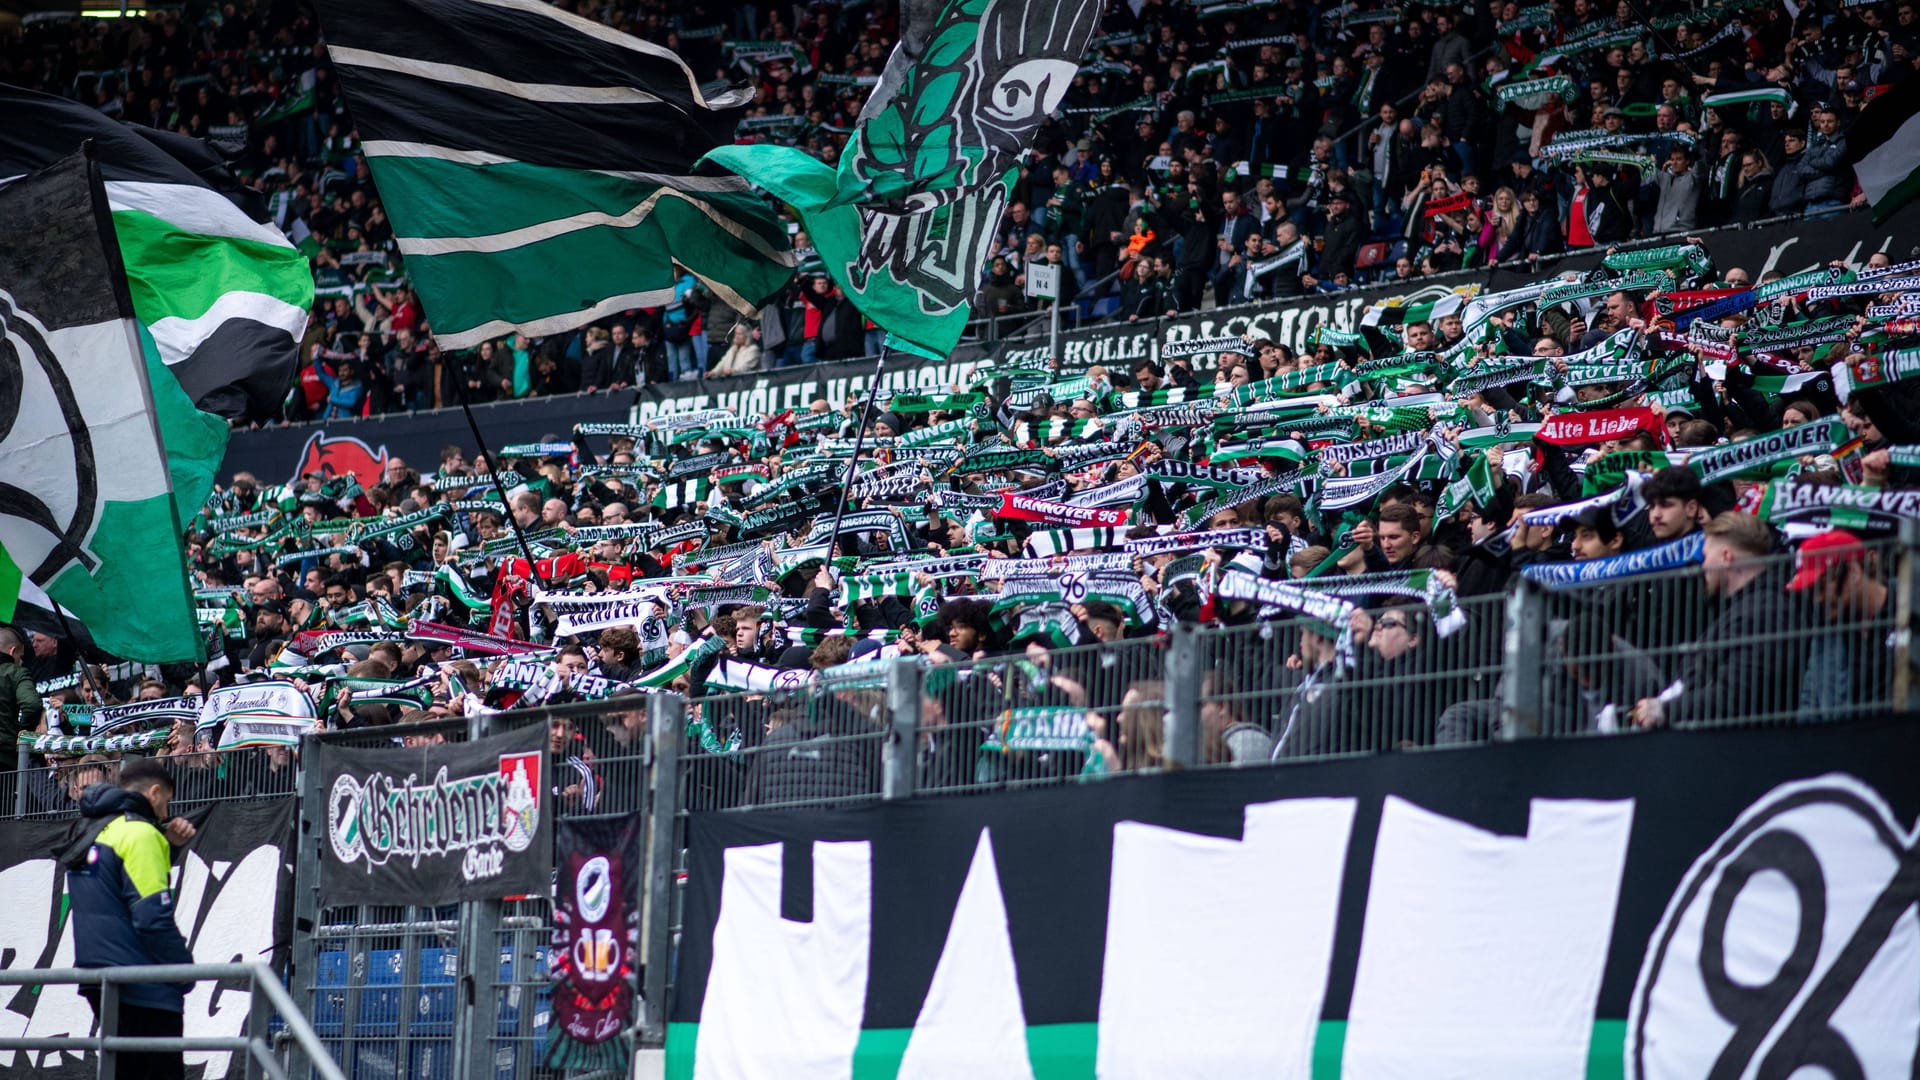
(463, 991)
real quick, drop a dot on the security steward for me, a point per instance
(122, 908)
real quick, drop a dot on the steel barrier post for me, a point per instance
(1522, 662)
(259, 1018)
(22, 762)
(666, 728)
(898, 769)
(303, 955)
(476, 1002)
(1903, 608)
(1183, 698)
(109, 1027)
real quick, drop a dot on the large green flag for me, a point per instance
(905, 222)
(87, 510)
(538, 166)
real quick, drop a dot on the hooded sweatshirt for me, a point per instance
(117, 884)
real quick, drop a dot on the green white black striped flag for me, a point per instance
(539, 167)
(1884, 146)
(87, 513)
(224, 295)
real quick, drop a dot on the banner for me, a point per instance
(363, 447)
(436, 824)
(1602, 908)
(1789, 247)
(799, 386)
(596, 942)
(231, 888)
(1685, 551)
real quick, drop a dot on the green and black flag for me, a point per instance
(223, 295)
(539, 166)
(1884, 149)
(905, 222)
(87, 510)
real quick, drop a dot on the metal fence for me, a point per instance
(463, 991)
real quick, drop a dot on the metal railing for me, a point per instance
(463, 991)
(1696, 647)
(269, 1001)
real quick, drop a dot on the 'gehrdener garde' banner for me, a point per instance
(436, 824)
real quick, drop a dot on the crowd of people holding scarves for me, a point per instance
(1031, 535)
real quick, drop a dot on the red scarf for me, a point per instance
(1586, 428)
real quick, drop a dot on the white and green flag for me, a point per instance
(224, 294)
(1884, 147)
(87, 508)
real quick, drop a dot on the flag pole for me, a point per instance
(853, 464)
(79, 654)
(493, 468)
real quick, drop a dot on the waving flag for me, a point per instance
(538, 166)
(86, 503)
(1884, 146)
(906, 221)
(224, 296)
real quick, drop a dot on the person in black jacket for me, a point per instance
(1747, 665)
(1756, 189)
(1346, 231)
(1538, 232)
(122, 908)
(818, 753)
(1609, 218)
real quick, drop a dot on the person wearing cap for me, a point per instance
(1747, 663)
(1311, 725)
(1846, 586)
(1609, 218)
(1345, 232)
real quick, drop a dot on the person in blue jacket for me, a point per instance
(122, 908)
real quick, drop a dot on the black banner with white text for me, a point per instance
(437, 824)
(231, 890)
(1673, 904)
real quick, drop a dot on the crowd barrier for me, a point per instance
(462, 990)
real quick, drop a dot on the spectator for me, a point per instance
(742, 356)
(1677, 185)
(20, 707)
(1748, 661)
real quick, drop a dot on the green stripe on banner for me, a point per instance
(1607, 1050)
(451, 198)
(529, 278)
(1896, 197)
(175, 273)
(196, 441)
(10, 578)
(1068, 1051)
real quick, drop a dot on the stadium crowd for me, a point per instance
(1702, 504)
(1205, 154)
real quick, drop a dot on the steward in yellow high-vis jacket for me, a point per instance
(122, 908)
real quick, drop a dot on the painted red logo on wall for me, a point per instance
(339, 455)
